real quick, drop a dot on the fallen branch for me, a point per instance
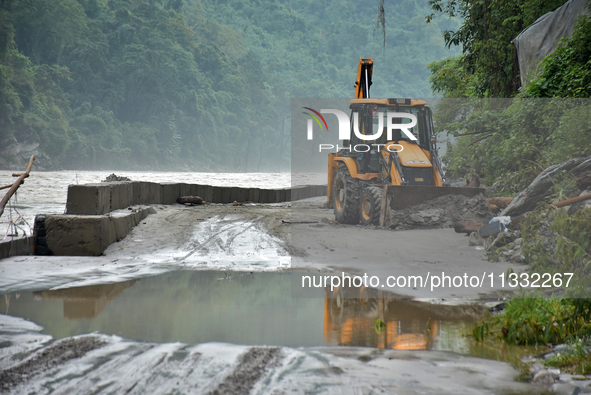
(15, 186)
(500, 202)
(190, 200)
(570, 201)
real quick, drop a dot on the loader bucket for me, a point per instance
(409, 195)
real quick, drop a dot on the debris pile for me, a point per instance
(503, 232)
(541, 187)
(441, 212)
(113, 178)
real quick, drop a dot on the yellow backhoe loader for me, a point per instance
(392, 143)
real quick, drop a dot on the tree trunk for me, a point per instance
(15, 186)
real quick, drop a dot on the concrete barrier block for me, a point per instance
(16, 246)
(121, 194)
(169, 193)
(185, 190)
(302, 192)
(288, 195)
(263, 196)
(146, 193)
(75, 234)
(226, 195)
(280, 195)
(118, 225)
(88, 199)
(85, 235)
(108, 233)
(253, 195)
(154, 193)
(205, 192)
(216, 196)
(294, 193)
(239, 194)
(319, 190)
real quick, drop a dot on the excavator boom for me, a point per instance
(363, 81)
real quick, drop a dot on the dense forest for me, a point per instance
(200, 85)
(504, 132)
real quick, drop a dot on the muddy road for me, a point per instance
(299, 235)
(208, 299)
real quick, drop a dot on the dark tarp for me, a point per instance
(542, 37)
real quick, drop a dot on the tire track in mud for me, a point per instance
(217, 239)
(229, 234)
(252, 365)
(54, 355)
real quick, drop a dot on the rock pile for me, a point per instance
(441, 212)
(113, 178)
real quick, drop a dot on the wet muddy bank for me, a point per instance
(272, 237)
(124, 366)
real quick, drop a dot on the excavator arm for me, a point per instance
(363, 81)
(362, 85)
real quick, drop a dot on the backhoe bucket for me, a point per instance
(409, 195)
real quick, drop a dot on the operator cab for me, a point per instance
(369, 124)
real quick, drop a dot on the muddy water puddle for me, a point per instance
(250, 309)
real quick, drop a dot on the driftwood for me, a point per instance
(15, 186)
(571, 201)
(500, 202)
(467, 226)
(190, 200)
(584, 182)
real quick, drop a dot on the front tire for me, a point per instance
(346, 197)
(370, 205)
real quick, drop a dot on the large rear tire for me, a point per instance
(346, 197)
(370, 205)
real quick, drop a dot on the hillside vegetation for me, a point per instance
(508, 142)
(189, 84)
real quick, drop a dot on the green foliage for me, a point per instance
(486, 36)
(575, 360)
(450, 79)
(510, 141)
(191, 84)
(566, 72)
(557, 242)
(538, 322)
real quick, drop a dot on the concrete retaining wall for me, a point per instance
(85, 234)
(16, 246)
(92, 223)
(98, 199)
